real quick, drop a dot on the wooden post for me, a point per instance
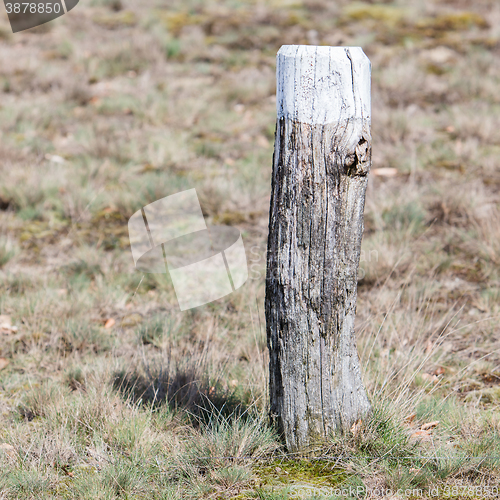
(322, 156)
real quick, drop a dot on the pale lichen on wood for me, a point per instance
(321, 159)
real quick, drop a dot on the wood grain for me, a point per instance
(321, 160)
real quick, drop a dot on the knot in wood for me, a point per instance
(358, 162)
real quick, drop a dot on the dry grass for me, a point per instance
(116, 105)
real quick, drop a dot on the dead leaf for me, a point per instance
(384, 172)
(428, 347)
(109, 323)
(8, 449)
(410, 418)
(424, 435)
(429, 425)
(356, 427)
(4, 363)
(490, 378)
(5, 321)
(6, 325)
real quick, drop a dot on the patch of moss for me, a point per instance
(175, 21)
(387, 14)
(315, 472)
(390, 23)
(456, 21)
(124, 19)
(230, 218)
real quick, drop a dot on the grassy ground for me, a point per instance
(118, 104)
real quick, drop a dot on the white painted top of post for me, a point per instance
(320, 85)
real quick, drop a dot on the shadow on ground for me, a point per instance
(183, 388)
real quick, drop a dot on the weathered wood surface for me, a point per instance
(321, 160)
